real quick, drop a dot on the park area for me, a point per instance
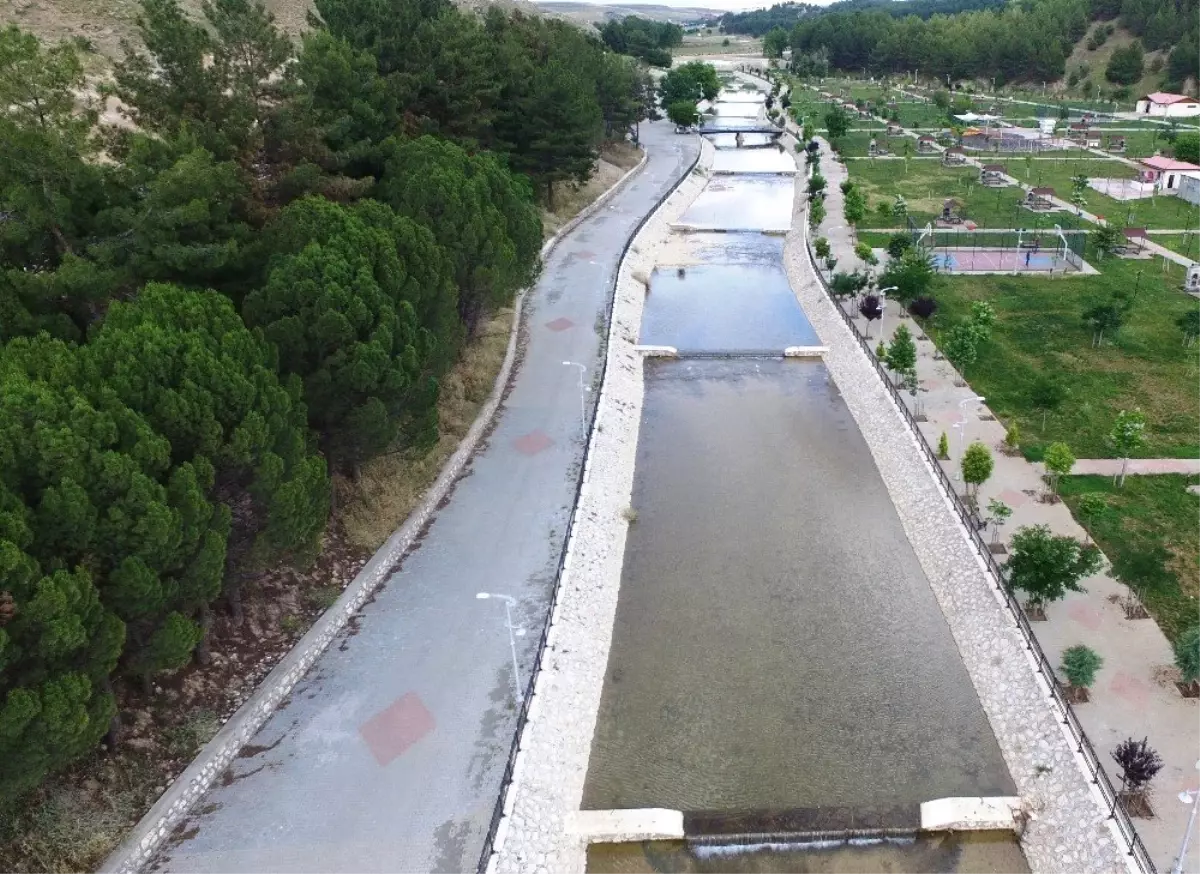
(1040, 334)
(1148, 528)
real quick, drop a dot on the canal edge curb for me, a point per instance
(506, 816)
(148, 835)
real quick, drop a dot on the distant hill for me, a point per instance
(590, 13)
(102, 24)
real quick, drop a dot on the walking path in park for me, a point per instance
(1136, 466)
(389, 754)
(1134, 694)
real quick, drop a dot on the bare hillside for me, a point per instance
(590, 13)
(102, 24)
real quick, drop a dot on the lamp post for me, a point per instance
(582, 391)
(883, 305)
(1192, 797)
(961, 425)
(513, 634)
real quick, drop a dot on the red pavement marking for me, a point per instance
(390, 732)
(560, 324)
(532, 443)
(1014, 498)
(1085, 615)
(1130, 688)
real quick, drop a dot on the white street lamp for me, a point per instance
(883, 305)
(583, 390)
(1192, 797)
(513, 634)
(961, 425)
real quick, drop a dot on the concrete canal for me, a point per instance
(776, 644)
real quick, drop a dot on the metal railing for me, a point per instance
(999, 579)
(523, 712)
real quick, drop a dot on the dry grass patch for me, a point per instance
(616, 159)
(390, 486)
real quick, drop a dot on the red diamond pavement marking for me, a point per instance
(1085, 615)
(532, 443)
(560, 324)
(390, 732)
(1130, 688)
(1014, 498)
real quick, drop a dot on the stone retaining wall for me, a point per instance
(211, 762)
(547, 786)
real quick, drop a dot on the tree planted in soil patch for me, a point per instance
(977, 465)
(871, 309)
(998, 513)
(1059, 460)
(1144, 572)
(1187, 659)
(1139, 763)
(1079, 666)
(1045, 566)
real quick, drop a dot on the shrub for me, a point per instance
(898, 244)
(923, 307)
(1079, 665)
(863, 251)
(1187, 655)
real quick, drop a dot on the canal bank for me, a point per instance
(541, 828)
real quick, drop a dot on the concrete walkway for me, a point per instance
(389, 755)
(1136, 466)
(1134, 695)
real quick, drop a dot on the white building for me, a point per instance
(1168, 105)
(1165, 173)
(1189, 188)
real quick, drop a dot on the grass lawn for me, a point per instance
(1185, 244)
(926, 184)
(856, 145)
(1149, 512)
(1039, 330)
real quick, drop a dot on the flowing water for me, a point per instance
(962, 853)
(776, 644)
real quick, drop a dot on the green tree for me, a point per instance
(977, 466)
(902, 353)
(943, 447)
(342, 305)
(220, 80)
(480, 214)
(1059, 460)
(821, 247)
(1079, 187)
(1046, 393)
(1101, 317)
(960, 346)
(58, 645)
(1187, 148)
(552, 128)
(1187, 656)
(998, 513)
(693, 82)
(1105, 239)
(912, 275)
(1091, 508)
(837, 122)
(1079, 666)
(52, 180)
(101, 492)
(1046, 566)
(186, 362)
(774, 42)
(1127, 437)
(1126, 65)
(683, 113)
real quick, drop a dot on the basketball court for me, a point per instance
(1047, 251)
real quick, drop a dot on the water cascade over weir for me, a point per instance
(780, 669)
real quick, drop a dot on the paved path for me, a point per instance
(389, 755)
(1136, 466)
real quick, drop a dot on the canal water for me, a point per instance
(776, 643)
(962, 853)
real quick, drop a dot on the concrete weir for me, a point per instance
(775, 676)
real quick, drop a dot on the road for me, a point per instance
(389, 755)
